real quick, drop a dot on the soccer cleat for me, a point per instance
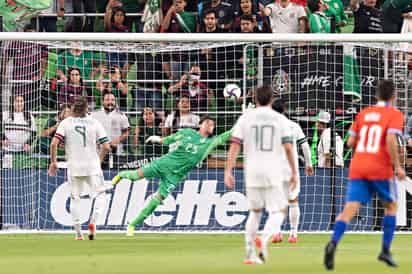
(386, 257)
(263, 253)
(252, 261)
(293, 239)
(116, 179)
(92, 231)
(130, 231)
(277, 238)
(329, 259)
(79, 238)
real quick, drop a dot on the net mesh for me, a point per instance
(150, 81)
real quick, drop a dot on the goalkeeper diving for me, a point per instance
(173, 167)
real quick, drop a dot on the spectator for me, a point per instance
(318, 22)
(134, 6)
(51, 126)
(75, 57)
(148, 125)
(177, 19)
(117, 86)
(245, 8)
(408, 131)
(224, 12)
(101, 76)
(115, 123)
(286, 17)
(149, 66)
(248, 24)
(26, 62)
(19, 127)
(368, 19)
(210, 22)
(324, 146)
(336, 11)
(115, 21)
(182, 117)
(191, 87)
(393, 13)
(72, 89)
(48, 24)
(84, 6)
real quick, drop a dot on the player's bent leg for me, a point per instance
(272, 227)
(389, 226)
(146, 212)
(132, 175)
(99, 205)
(294, 215)
(251, 228)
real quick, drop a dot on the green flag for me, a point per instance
(16, 16)
(351, 77)
(152, 16)
(187, 21)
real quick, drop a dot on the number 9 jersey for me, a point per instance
(371, 159)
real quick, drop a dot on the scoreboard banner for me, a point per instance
(200, 203)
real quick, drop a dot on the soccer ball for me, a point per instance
(232, 91)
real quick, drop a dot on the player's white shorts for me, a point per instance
(81, 185)
(272, 198)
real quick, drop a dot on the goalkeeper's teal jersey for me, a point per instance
(191, 150)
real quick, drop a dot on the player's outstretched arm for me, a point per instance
(392, 145)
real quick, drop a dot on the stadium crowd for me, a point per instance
(129, 92)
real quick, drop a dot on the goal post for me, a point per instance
(149, 74)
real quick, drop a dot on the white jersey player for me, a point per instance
(81, 135)
(265, 136)
(299, 139)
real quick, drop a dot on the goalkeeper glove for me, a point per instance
(154, 140)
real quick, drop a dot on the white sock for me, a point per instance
(75, 212)
(294, 215)
(252, 226)
(99, 205)
(272, 226)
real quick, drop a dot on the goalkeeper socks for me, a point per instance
(147, 211)
(389, 225)
(251, 228)
(272, 226)
(132, 175)
(294, 215)
(338, 231)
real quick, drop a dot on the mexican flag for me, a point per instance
(351, 73)
(152, 16)
(17, 13)
(187, 21)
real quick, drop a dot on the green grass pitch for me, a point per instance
(190, 253)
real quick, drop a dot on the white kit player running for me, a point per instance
(81, 134)
(265, 134)
(299, 139)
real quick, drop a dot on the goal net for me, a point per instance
(161, 87)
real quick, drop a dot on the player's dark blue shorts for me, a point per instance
(361, 190)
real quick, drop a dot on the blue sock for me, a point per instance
(389, 225)
(338, 231)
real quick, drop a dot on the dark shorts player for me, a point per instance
(374, 138)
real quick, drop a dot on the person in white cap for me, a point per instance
(324, 146)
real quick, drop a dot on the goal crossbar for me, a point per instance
(203, 37)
